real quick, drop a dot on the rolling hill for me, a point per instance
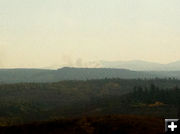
(68, 73)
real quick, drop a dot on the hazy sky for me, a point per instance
(42, 33)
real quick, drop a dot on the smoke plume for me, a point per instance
(68, 61)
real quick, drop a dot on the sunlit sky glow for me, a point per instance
(42, 33)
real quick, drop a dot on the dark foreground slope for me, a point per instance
(109, 105)
(119, 124)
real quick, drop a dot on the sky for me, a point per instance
(44, 33)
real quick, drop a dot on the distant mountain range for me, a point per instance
(67, 73)
(139, 65)
(136, 65)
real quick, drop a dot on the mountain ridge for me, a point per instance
(136, 65)
(140, 65)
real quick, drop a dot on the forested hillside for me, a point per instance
(27, 102)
